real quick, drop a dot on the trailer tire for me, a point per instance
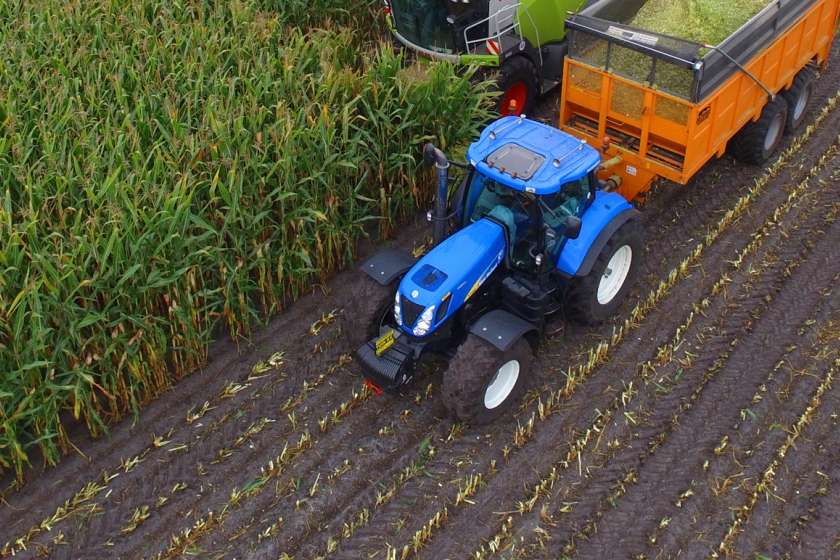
(517, 79)
(756, 141)
(482, 381)
(361, 317)
(593, 298)
(797, 96)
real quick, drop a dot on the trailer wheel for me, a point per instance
(757, 141)
(362, 316)
(482, 381)
(797, 96)
(593, 298)
(517, 79)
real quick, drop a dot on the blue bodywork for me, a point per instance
(454, 269)
(601, 212)
(460, 264)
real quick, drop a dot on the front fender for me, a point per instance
(600, 221)
(388, 265)
(501, 329)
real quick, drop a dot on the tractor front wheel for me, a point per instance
(482, 381)
(591, 299)
(363, 315)
(517, 80)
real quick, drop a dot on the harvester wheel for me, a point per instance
(757, 141)
(517, 80)
(591, 299)
(482, 381)
(797, 97)
(362, 316)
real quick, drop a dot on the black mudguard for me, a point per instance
(603, 237)
(388, 265)
(501, 329)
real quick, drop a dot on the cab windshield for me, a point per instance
(515, 209)
(423, 23)
(523, 215)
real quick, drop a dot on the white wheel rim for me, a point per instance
(501, 385)
(615, 274)
(773, 132)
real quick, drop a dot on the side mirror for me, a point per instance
(572, 230)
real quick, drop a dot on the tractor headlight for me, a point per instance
(397, 309)
(425, 322)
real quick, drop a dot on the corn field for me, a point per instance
(169, 168)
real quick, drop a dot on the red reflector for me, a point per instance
(376, 389)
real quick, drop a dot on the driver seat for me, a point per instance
(505, 215)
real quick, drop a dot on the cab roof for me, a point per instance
(530, 156)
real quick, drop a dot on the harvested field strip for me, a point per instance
(195, 414)
(411, 453)
(720, 444)
(265, 155)
(298, 474)
(598, 355)
(275, 468)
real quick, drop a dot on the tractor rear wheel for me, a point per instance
(797, 97)
(517, 80)
(756, 141)
(482, 381)
(593, 298)
(363, 315)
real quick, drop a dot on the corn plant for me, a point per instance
(167, 168)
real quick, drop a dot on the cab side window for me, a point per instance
(567, 201)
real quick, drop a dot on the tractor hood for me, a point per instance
(447, 276)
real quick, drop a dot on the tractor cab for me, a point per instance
(534, 182)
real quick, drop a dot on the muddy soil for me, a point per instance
(701, 421)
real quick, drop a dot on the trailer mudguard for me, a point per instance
(603, 217)
(501, 329)
(388, 265)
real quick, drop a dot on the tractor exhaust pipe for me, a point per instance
(434, 156)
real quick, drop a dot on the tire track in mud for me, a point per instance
(774, 526)
(719, 408)
(643, 436)
(813, 529)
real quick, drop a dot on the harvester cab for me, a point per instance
(534, 239)
(521, 41)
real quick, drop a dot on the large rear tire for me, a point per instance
(593, 298)
(797, 96)
(756, 141)
(362, 316)
(482, 381)
(517, 79)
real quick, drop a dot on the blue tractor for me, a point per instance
(530, 237)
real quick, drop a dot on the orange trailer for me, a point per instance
(669, 105)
